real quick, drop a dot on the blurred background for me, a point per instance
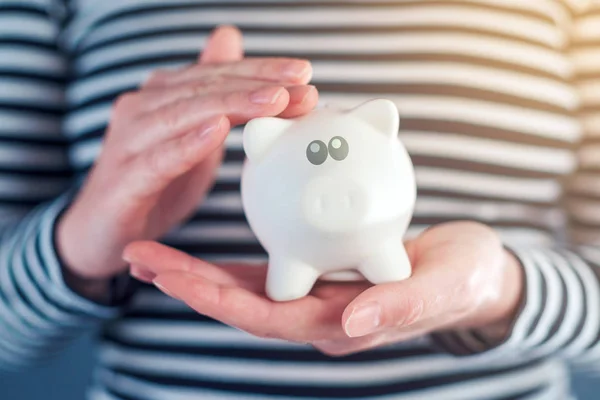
(68, 376)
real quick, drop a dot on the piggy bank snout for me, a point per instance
(335, 205)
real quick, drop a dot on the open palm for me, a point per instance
(235, 295)
(462, 278)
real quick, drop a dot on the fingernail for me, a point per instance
(211, 128)
(266, 95)
(364, 320)
(332, 347)
(141, 273)
(310, 90)
(163, 289)
(295, 69)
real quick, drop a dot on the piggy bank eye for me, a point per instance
(338, 148)
(316, 152)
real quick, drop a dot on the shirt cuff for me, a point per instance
(41, 271)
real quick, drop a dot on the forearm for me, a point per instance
(42, 306)
(555, 315)
(39, 311)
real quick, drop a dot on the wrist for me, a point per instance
(69, 238)
(96, 290)
(70, 254)
(504, 312)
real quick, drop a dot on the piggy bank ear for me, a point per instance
(382, 114)
(260, 133)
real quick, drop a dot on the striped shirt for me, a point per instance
(500, 109)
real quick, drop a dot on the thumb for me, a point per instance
(384, 306)
(225, 44)
(434, 294)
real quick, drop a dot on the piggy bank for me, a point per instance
(326, 193)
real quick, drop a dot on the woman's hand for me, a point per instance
(164, 144)
(462, 278)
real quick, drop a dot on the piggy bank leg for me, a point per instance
(289, 279)
(389, 264)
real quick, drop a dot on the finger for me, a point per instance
(197, 182)
(157, 167)
(229, 304)
(185, 115)
(435, 293)
(302, 100)
(281, 70)
(154, 98)
(304, 320)
(225, 44)
(346, 346)
(149, 259)
(141, 274)
(249, 277)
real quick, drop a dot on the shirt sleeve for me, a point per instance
(39, 314)
(560, 309)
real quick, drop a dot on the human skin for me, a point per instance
(157, 162)
(162, 148)
(462, 278)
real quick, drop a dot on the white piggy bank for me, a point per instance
(329, 192)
